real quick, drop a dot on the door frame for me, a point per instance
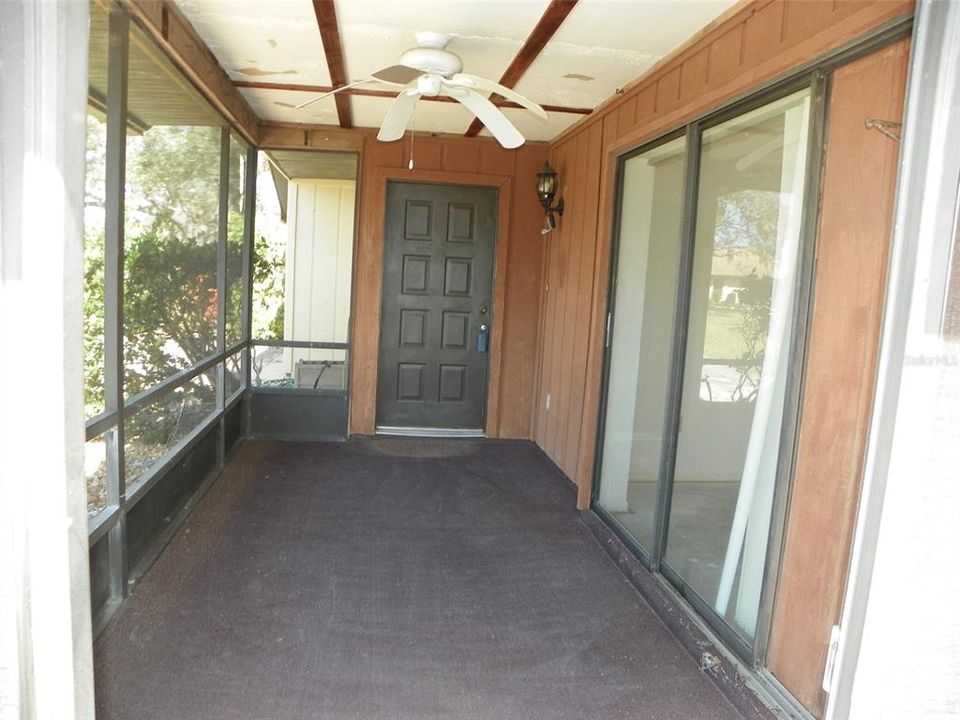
(368, 287)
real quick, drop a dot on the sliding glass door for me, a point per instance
(695, 400)
(647, 268)
(738, 340)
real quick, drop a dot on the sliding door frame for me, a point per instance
(645, 554)
(817, 81)
(814, 74)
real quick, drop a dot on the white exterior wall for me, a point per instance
(320, 222)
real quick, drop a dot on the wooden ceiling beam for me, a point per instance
(326, 13)
(549, 23)
(366, 92)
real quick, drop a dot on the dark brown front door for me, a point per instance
(436, 310)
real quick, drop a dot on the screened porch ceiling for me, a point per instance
(571, 59)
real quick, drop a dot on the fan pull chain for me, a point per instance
(413, 126)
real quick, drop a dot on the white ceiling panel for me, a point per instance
(651, 26)
(275, 42)
(509, 19)
(604, 45)
(579, 76)
(279, 105)
(601, 46)
(485, 34)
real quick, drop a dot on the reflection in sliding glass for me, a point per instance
(648, 258)
(739, 335)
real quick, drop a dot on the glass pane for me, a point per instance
(648, 257)
(233, 375)
(94, 201)
(296, 368)
(235, 224)
(172, 219)
(738, 350)
(303, 248)
(158, 427)
(95, 473)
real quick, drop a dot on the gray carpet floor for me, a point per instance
(391, 579)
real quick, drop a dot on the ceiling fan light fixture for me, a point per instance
(429, 85)
(430, 39)
(437, 71)
(432, 60)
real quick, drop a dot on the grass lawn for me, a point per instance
(724, 337)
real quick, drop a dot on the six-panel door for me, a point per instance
(436, 307)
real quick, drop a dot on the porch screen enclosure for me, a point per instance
(168, 221)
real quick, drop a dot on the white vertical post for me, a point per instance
(46, 668)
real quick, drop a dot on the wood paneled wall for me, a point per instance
(754, 43)
(856, 217)
(569, 279)
(517, 281)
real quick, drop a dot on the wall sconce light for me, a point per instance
(547, 190)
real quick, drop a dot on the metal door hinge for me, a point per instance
(831, 658)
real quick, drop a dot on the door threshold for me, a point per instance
(430, 432)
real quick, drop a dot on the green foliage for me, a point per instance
(234, 317)
(173, 183)
(170, 307)
(747, 220)
(93, 324)
(170, 274)
(269, 260)
(93, 269)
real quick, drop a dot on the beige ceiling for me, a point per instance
(157, 93)
(307, 164)
(601, 46)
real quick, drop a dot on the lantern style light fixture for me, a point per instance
(547, 190)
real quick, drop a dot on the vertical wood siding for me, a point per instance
(756, 43)
(753, 44)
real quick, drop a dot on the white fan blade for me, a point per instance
(333, 92)
(479, 83)
(397, 75)
(397, 117)
(487, 113)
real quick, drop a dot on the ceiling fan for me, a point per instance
(430, 70)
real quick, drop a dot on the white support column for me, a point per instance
(46, 663)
